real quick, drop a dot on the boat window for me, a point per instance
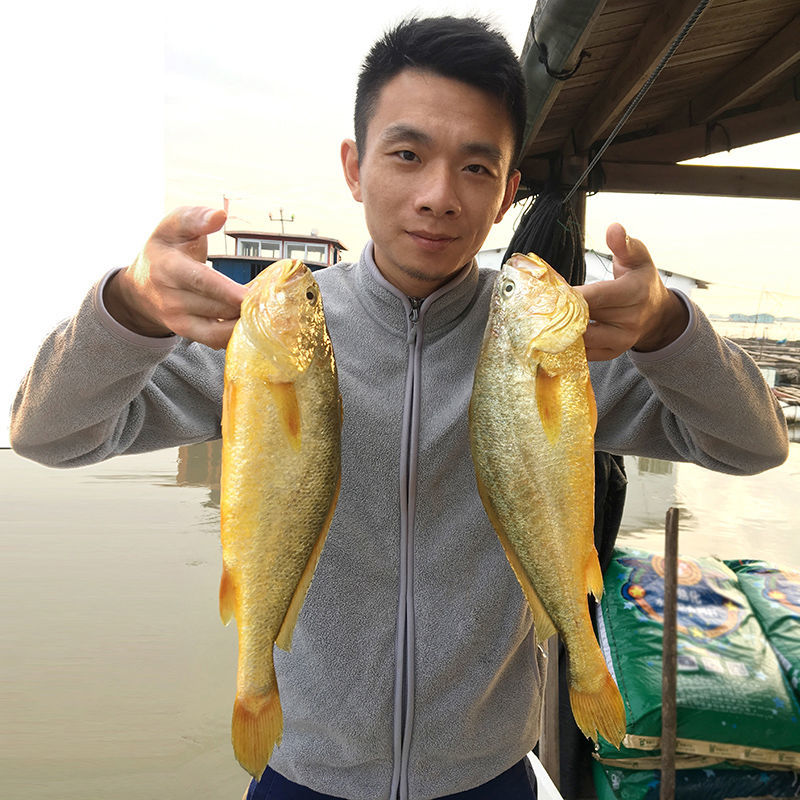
(314, 253)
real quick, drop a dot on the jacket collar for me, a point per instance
(392, 308)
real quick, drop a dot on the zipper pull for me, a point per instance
(413, 319)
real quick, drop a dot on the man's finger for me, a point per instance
(186, 274)
(214, 333)
(195, 305)
(604, 342)
(188, 223)
(604, 295)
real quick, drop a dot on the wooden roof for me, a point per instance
(734, 80)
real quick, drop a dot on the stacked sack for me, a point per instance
(738, 718)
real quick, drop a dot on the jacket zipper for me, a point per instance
(404, 650)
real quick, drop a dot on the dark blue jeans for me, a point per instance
(516, 783)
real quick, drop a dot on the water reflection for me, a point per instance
(200, 465)
(731, 516)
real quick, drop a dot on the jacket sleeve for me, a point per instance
(701, 399)
(96, 390)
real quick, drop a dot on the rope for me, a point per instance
(561, 75)
(641, 93)
(551, 230)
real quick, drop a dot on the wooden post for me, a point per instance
(669, 712)
(549, 751)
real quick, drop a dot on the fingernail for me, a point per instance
(209, 213)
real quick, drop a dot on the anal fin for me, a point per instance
(594, 577)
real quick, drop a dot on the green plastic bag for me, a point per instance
(774, 595)
(732, 699)
(709, 783)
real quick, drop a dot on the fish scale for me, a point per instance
(532, 419)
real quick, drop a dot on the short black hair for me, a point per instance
(466, 49)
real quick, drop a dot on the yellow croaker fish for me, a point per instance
(281, 426)
(532, 419)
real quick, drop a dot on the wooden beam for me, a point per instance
(566, 30)
(772, 58)
(760, 182)
(683, 143)
(654, 39)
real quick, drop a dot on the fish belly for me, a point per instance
(279, 487)
(535, 471)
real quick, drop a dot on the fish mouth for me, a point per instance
(289, 269)
(530, 264)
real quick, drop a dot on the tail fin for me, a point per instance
(600, 712)
(257, 727)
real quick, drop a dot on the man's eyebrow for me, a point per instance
(400, 132)
(485, 149)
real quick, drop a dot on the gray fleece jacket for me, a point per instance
(414, 671)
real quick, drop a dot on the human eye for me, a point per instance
(477, 169)
(406, 155)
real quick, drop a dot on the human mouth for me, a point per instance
(432, 242)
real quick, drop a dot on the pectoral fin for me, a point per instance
(285, 398)
(227, 596)
(548, 400)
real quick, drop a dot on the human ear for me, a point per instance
(350, 166)
(511, 192)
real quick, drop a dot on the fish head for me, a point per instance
(283, 318)
(536, 307)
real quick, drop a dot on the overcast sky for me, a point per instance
(114, 114)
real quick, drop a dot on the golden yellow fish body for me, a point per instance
(281, 426)
(532, 421)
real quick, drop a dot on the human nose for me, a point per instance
(438, 193)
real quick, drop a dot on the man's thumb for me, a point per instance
(617, 240)
(188, 223)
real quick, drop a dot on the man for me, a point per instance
(414, 671)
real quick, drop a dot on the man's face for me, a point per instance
(435, 176)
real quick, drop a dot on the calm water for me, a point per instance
(117, 677)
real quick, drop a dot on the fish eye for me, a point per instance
(508, 288)
(312, 297)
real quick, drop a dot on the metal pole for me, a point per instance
(669, 712)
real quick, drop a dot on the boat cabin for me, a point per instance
(255, 251)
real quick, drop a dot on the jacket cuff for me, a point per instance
(679, 345)
(158, 343)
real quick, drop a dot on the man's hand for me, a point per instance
(635, 310)
(170, 289)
